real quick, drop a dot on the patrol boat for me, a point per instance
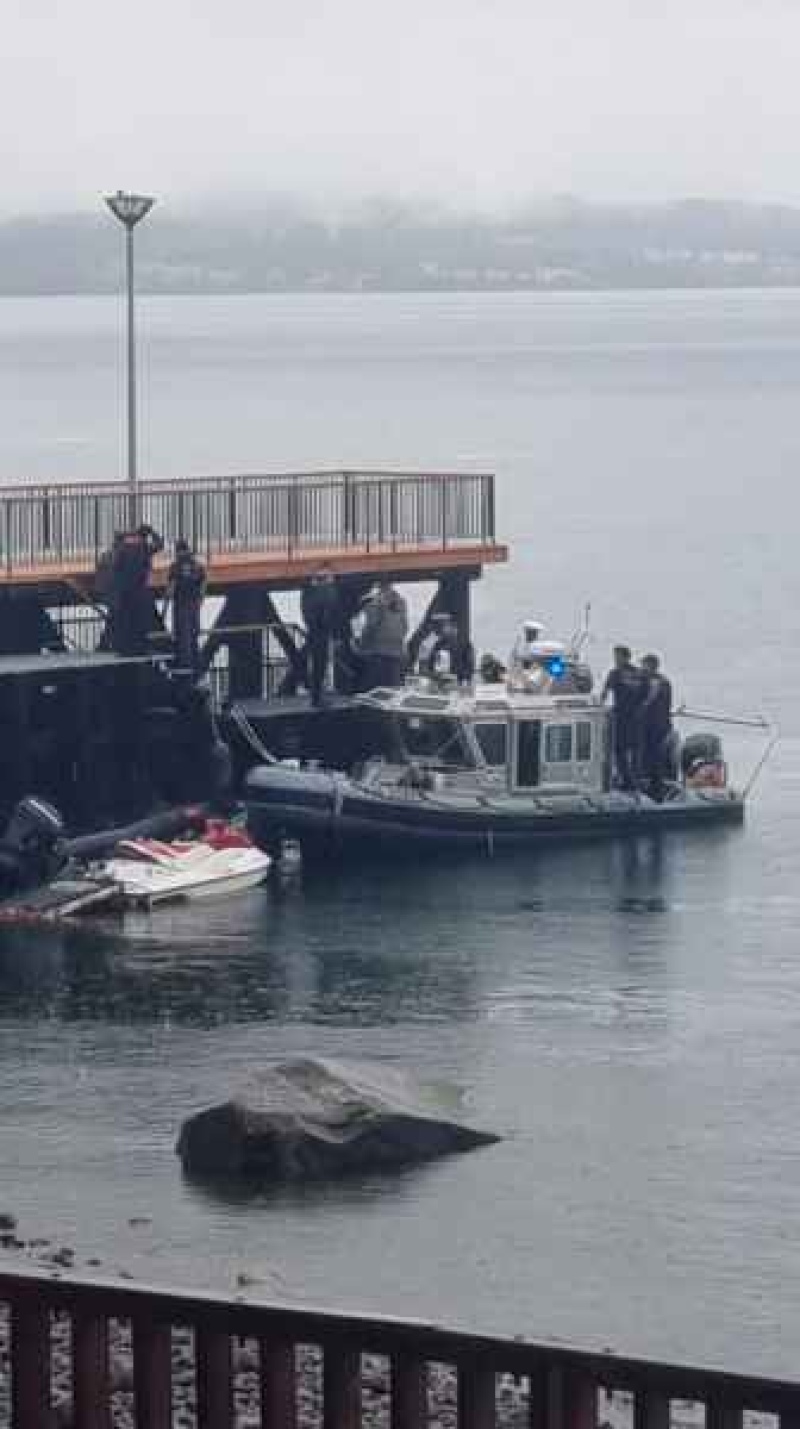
(507, 764)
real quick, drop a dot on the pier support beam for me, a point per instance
(452, 598)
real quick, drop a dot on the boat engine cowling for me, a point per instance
(29, 847)
(702, 761)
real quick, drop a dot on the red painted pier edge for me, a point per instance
(565, 1386)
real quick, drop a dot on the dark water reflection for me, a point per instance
(384, 947)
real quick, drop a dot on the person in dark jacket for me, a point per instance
(132, 599)
(382, 642)
(655, 715)
(450, 654)
(627, 687)
(320, 607)
(186, 588)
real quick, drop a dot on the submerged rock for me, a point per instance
(314, 1117)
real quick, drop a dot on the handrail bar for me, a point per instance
(156, 485)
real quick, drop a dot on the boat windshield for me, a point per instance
(435, 740)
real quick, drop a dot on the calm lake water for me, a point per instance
(628, 1017)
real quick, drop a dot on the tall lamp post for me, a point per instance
(130, 209)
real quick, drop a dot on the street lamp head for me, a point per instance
(129, 208)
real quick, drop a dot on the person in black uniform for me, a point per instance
(132, 601)
(186, 588)
(655, 716)
(320, 606)
(627, 687)
(451, 655)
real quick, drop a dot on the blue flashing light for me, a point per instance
(556, 666)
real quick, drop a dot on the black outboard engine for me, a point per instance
(30, 847)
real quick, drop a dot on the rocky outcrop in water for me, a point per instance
(314, 1118)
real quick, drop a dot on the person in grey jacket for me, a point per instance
(382, 643)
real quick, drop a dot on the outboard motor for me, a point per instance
(29, 849)
(702, 762)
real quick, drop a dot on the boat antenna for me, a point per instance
(581, 636)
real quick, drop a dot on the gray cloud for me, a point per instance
(484, 104)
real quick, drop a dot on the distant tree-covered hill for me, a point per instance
(280, 247)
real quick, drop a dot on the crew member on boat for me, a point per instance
(627, 687)
(524, 650)
(655, 715)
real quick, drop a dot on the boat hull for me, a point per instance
(330, 814)
(143, 885)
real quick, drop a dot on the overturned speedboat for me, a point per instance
(481, 769)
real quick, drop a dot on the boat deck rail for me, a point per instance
(554, 1386)
(294, 515)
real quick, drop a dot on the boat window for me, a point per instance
(441, 741)
(528, 743)
(493, 740)
(558, 744)
(583, 739)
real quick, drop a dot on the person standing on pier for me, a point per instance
(382, 643)
(186, 588)
(450, 654)
(319, 603)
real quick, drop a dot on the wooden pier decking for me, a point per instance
(272, 530)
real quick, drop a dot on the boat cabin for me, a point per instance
(512, 740)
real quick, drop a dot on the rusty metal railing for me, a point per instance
(282, 1367)
(280, 514)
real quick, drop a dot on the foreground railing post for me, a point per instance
(651, 1410)
(720, 1415)
(477, 1397)
(278, 1385)
(408, 1392)
(579, 1407)
(152, 1375)
(544, 1396)
(341, 1388)
(30, 1360)
(214, 1369)
(91, 1390)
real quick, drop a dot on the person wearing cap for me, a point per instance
(655, 720)
(523, 651)
(382, 641)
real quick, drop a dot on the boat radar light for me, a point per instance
(556, 666)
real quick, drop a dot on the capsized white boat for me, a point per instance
(150, 871)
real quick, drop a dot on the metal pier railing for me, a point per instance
(54, 526)
(217, 1362)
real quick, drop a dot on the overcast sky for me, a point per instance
(481, 102)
